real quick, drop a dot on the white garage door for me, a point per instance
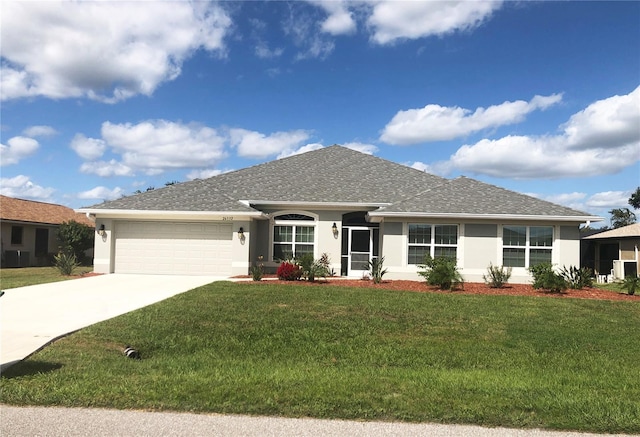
(173, 248)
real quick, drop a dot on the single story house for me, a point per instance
(351, 206)
(28, 230)
(614, 253)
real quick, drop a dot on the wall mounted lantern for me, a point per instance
(241, 233)
(334, 229)
(101, 231)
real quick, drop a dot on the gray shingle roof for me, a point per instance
(338, 175)
(469, 196)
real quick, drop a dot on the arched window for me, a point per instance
(293, 235)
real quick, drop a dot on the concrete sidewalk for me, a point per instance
(33, 316)
(70, 422)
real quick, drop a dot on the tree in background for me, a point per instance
(634, 200)
(74, 239)
(624, 216)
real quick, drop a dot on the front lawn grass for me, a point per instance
(354, 353)
(21, 277)
(612, 286)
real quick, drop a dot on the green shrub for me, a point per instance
(376, 270)
(577, 278)
(66, 263)
(325, 262)
(545, 278)
(631, 284)
(257, 270)
(311, 268)
(75, 238)
(497, 276)
(442, 272)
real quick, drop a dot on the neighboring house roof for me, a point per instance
(29, 211)
(337, 175)
(623, 232)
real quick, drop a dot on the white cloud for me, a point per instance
(106, 168)
(88, 148)
(392, 20)
(40, 131)
(439, 123)
(441, 168)
(340, 20)
(263, 51)
(17, 148)
(303, 149)
(608, 123)
(258, 145)
(369, 149)
(573, 200)
(587, 147)
(157, 145)
(306, 35)
(53, 49)
(205, 173)
(522, 157)
(103, 193)
(22, 187)
(609, 200)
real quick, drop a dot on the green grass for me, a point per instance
(333, 352)
(21, 277)
(612, 286)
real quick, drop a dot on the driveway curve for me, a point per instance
(31, 317)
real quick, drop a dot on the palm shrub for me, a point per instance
(66, 263)
(442, 272)
(376, 270)
(497, 276)
(325, 261)
(577, 278)
(545, 278)
(631, 284)
(311, 268)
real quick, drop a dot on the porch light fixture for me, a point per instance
(241, 233)
(101, 231)
(334, 229)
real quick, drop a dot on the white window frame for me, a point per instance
(432, 243)
(294, 224)
(527, 246)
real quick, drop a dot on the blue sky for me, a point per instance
(100, 99)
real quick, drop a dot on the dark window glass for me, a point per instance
(16, 235)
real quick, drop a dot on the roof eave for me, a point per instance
(316, 205)
(378, 216)
(170, 215)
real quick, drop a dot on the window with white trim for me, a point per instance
(526, 246)
(293, 236)
(435, 240)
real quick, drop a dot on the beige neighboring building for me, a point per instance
(615, 252)
(28, 230)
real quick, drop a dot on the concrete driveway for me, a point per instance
(33, 316)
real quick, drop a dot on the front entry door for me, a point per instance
(359, 250)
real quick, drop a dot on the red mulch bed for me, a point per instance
(469, 288)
